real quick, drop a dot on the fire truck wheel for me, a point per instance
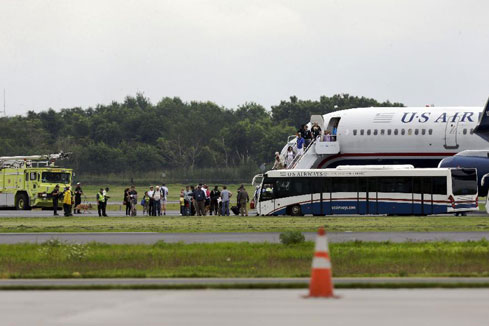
(21, 202)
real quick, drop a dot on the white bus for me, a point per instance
(393, 190)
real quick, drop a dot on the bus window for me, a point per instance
(372, 184)
(439, 185)
(267, 191)
(301, 186)
(344, 184)
(464, 182)
(362, 184)
(394, 184)
(327, 185)
(422, 185)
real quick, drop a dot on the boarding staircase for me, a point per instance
(314, 154)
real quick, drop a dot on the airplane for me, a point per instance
(421, 136)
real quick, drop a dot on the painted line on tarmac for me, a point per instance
(298, 282)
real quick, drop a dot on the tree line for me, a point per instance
(137, 136)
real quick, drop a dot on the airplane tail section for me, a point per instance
(482, 128)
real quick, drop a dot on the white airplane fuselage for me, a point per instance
(421, 136)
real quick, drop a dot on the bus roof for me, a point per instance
(361, 171)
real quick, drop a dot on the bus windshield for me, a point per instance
(464, 182)
(55, 177)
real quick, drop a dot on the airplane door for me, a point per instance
(451, 140)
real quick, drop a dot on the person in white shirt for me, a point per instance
(164, 198)
(157, 201)
(151, 206)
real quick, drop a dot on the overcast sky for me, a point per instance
(58, 54)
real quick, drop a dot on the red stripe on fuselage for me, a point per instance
(380, 155)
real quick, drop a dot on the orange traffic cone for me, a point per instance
(321, 284)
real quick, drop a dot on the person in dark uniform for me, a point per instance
(215, 194)
(55, 196)
(78, 197)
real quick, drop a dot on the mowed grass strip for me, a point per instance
(242, 224)
(57, 260)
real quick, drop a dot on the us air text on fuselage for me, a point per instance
(408, 117)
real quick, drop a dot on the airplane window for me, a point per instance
(395, 132)
(382, 132)
(423, 131)
(375, 132)
(368, 132)
(389, 132)
(410, 132)
(471, 131)
(416, 131)
(403, 132)
(354, 132)
(465, 131)
(430, 131)
(361, 132)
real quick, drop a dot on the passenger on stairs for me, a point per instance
(289, 157)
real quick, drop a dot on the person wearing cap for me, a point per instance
(199, 196)
(78, 197)
(278, 164)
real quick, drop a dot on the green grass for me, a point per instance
(354, 259)
(242, 224)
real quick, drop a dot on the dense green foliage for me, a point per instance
(58, 260)
(136, 136)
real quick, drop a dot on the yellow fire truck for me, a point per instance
(27, 181)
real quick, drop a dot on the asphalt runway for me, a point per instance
(444, 307)
(165, 282)
(272, 237)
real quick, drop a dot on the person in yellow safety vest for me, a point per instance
(100, 202)
(67, 201)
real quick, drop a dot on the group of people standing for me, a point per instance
(199, 200)
(154, 200)
(68, 197)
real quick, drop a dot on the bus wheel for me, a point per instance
(21, 202)
(295, 210)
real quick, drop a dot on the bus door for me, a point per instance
(372, 196)
(267, 198)
(326, 200)
(362, 198)
(422, 196)
(317, 198)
